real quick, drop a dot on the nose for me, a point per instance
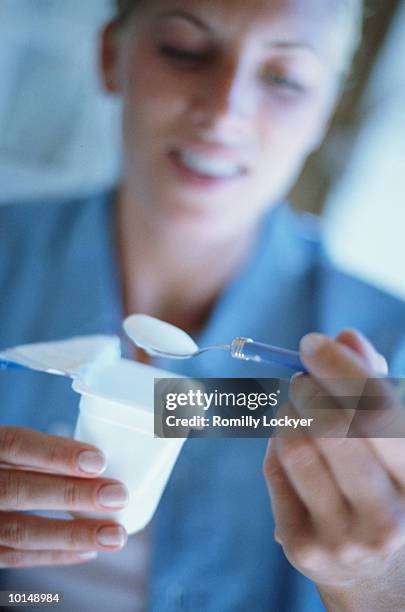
(224, 95)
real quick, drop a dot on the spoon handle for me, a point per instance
(249, 350)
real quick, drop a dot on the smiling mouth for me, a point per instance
(208, 166)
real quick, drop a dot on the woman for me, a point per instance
(222, 103)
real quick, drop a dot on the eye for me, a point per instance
(287, 84)
(181, 54)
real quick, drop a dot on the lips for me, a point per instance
(209, 162)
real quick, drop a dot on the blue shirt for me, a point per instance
(212, 537)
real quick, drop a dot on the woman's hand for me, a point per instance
(339, 502)
(42, 472)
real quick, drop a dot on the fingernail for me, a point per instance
(311, 343)
(88, 555)
(382, 367)
(112, 496)
(296, 375)
(111, 536)
(91, 462)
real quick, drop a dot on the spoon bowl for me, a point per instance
(161, 339)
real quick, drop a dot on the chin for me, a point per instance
(190, 220)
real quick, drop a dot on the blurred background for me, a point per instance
(59, 136)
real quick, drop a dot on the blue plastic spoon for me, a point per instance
(161, 339)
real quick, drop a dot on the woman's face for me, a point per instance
(223, 100)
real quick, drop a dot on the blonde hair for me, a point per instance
(351, 13)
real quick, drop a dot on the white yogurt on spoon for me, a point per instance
(157, 337)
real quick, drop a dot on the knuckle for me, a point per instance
(56, 451)
(76, 536)
(387, 538)
(10, 443)
(12, 558)
(12, 532)
(347, 553)
(11, 490)
(297, 452)
(337, 445)
(272, 469)
(306, 556)
(362, 548)
(269, 464)
(71, 495)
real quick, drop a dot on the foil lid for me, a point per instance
(69, 357)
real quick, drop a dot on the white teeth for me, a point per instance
(208, 166)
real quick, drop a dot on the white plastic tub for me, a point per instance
(116, 415)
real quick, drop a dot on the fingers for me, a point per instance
(330, 358)
(289, 512)
(39, 451)
(350, 357)
(391, 452)
(358, 471)
(327, 537)
(358, 343)
(344, 376)
(360, 477)
(380, 417)
(309, 475)
(344, 509)
(32, 491)
(27, 460)
(328, 532)
(313, 482)
(35, 533)
(310, 400)
(11, 558)
(337, 368)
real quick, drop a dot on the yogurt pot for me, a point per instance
(116, 415)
